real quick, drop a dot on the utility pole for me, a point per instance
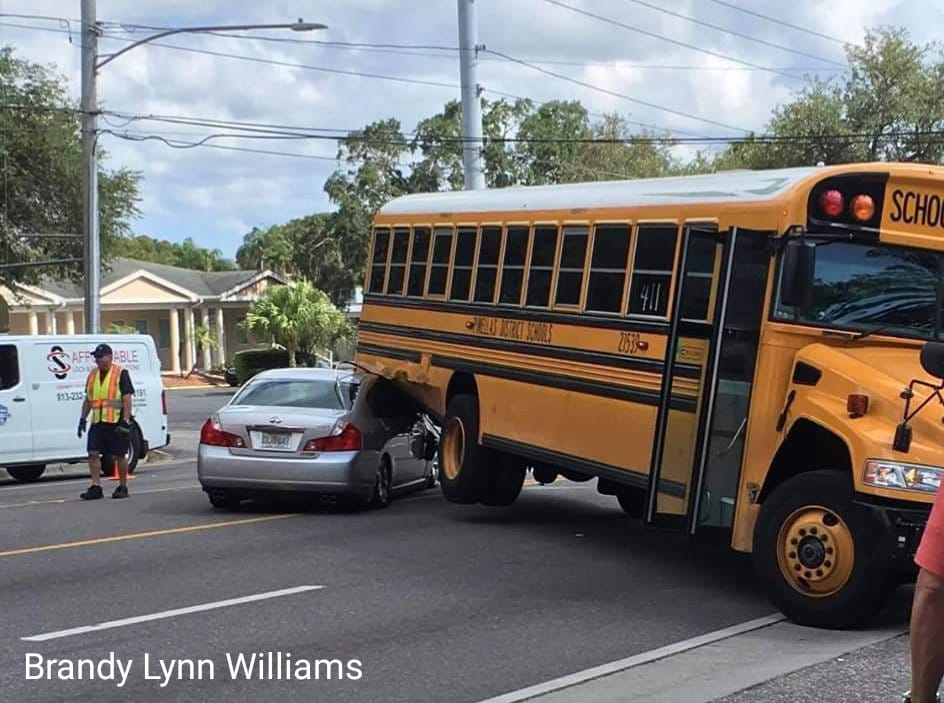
(472, 144)
(89, 104)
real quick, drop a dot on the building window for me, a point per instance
(608, 268)
(9, 367)
(543, 250)
(163, 333)
(401, 245)
(652, 270)
(378, 267)
(442, 253)
(462, 264)
(487, 272)
(418, 261)
(516, 251)
(242, 336)
(141, 326)
(572, 261)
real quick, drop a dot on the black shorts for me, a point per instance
(104, 439)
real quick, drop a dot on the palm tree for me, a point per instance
(299, 317)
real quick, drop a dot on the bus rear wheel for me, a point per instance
(505, 481)
(464, 464)
(811, 553)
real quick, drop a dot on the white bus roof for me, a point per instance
(731, 186)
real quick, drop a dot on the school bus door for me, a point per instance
(717, 312)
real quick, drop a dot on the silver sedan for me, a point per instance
(319, 431)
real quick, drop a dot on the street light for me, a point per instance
(91, 63)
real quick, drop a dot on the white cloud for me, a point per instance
(215, 196)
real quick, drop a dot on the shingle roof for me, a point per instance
(201, 283)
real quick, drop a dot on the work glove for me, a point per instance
(83, 426)
(123, 428)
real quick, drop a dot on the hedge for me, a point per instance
(249, 362)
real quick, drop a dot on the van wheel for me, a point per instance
(135, 442)
(27, 474)
(464, 464)
(505, 481)
(811, 553)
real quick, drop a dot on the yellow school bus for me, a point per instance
(747, 351)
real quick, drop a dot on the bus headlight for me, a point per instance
(908, 477)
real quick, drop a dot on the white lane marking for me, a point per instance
(124, 622)
(652, 655)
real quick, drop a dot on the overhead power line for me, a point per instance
(782, 23)
(741, 35)
(660, 37)
(622, 96)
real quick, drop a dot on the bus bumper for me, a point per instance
(898, 534)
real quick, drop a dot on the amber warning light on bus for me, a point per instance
(832, 204)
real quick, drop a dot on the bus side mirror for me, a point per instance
(932, 359)
(799, 264)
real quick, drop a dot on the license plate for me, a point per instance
(280, 440)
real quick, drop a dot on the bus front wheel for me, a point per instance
(505, 481)
(812, 556)
(464, 464)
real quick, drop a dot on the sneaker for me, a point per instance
(120, 492)
(94, 492)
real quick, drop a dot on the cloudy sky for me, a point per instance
(217, 195)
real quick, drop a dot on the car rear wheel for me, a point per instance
(812, 553)
(465, 465)
(221, 498)
(380, 498)
(27, 474)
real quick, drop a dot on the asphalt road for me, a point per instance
(437, 602)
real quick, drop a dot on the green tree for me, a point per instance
(187, 254)
(40, 163)
(298, 317)
(271, 248)
(549, 152)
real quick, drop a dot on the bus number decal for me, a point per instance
(630, 343)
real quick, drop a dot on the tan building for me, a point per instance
(163, 301)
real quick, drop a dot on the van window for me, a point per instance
(9, 367)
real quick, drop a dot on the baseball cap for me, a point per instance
(101, 350)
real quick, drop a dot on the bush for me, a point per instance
(249, 362)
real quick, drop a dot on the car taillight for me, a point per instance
(345, 437)
(214, 435)
(164, 403)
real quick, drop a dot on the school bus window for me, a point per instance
(570, 271)
(487, 273)
(516, 249)
(439, 269)
(418, 259)
(696, 293)
(607, 268)
(652, 270)
(462, 264)
(378, 268)
(401, 245)
(543, 251)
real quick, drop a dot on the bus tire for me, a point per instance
(464, 464)
(505, 481)
(26, 474)
(632, 501)
(544, 474)
(811, 553)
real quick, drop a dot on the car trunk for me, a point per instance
(274, 431)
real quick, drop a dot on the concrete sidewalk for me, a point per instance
(767, 662)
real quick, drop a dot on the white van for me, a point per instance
(42, 386)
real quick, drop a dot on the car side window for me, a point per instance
(9, 367)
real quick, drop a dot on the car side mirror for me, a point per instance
(932, 359)
(799, 265)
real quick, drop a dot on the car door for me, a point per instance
(16, 429)
(57, 369)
